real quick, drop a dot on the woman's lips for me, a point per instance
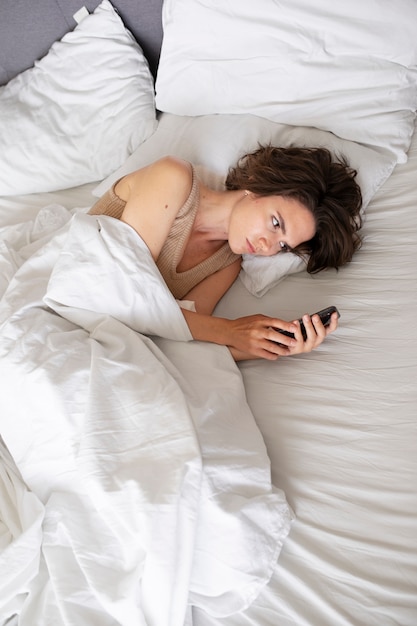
(250, 247)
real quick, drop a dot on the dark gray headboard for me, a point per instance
(28, 28)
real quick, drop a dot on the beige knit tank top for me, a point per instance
(179, 283)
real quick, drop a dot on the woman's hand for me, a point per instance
(257, 336)
(250, 337)
(316, 333)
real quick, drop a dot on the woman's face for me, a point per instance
(267, 225)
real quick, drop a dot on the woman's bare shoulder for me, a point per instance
(174, 164)
(154, 195)
(169, 171)
(170, 178)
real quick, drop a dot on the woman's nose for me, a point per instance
(263, 245)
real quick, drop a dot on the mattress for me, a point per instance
(145, 478)
(338, 424)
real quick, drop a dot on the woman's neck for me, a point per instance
(213, 213)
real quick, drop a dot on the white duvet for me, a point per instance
(149, 482)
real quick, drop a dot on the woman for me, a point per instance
(276, 200)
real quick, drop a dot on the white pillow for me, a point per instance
(215, 142)
(79, 112)
(349, 67)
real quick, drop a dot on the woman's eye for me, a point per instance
(283, 246)
(275, 222)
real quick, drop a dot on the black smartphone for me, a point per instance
(324, 314)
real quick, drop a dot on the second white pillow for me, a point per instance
(79, 112)
(215, 142)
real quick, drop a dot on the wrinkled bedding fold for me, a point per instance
(140, 452)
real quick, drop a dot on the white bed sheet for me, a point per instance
(339, 425)
(341, 430)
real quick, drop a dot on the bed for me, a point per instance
(145, 478)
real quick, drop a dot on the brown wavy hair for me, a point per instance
(325, 184)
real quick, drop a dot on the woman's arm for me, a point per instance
(250, 337)
(209, 291)
(257, 336)
(154, 195)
